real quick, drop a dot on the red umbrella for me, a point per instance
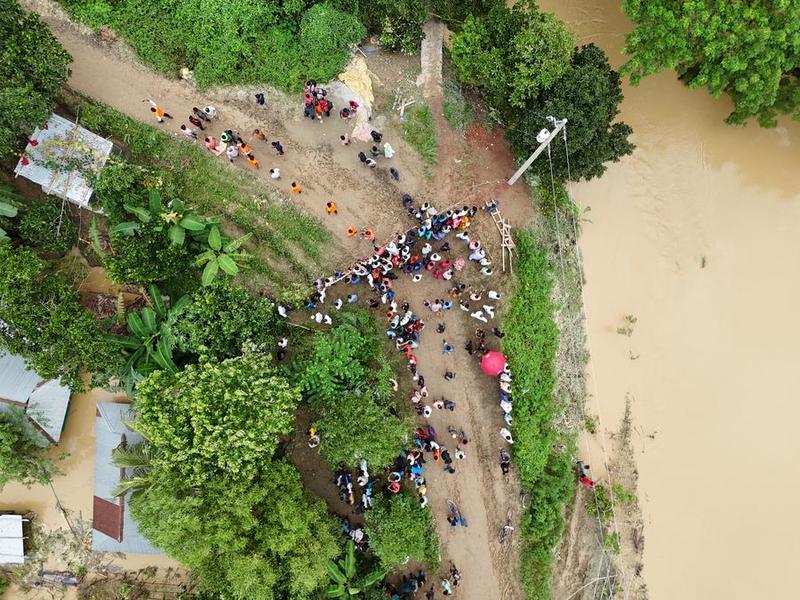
(493, 363)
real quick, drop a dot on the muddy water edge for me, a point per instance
(695, 235)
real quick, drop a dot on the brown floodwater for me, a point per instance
(697, 235)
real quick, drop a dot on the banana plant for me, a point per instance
(221, 254)
(150, 341)
(7, 209)
(174, 216)
(344, 580)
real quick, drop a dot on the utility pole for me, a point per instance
(544, 137)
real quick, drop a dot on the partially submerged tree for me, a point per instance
(22, 452)
(749, 50)
(33, 66)
(44, 322)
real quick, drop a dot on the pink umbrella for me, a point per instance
(493, 363)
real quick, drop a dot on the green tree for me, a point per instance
(588, 95)
(400, 529)
(256, 540)
(22, 451)
(220, 253)
(9, 207)
(221, 318)
(48, 227)
(326, 35)
(44, 322)
(512, 54)
(749, 50)
(345, 580)
(355, 428)
(33, 66)
(216, 418)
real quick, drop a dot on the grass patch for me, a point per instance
(419, 130)
(542, 453)
(286, 244)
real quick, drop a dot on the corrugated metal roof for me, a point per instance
(63, 138)
(17, 381)
(109, 428)
(12, 550)
(44, 401)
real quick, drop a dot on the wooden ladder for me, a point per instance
(507, 241)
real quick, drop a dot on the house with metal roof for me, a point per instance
(114, 529)
(44, 401)
(12, 544)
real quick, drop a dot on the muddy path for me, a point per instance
(472, 167)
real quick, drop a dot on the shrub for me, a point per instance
(325, 38)
(222, 318)
(399, 530)
(530, 344)
(146, 257)
(33, 65)
(48, 227)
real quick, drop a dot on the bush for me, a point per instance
(530, 344)
(48, 227)
(147, 257)
(399, 530)
(222, 318)
(232, 41)
(325, 38)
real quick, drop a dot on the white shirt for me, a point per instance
(275, 173)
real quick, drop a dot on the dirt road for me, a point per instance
(470, 167)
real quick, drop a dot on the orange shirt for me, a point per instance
(159, 111)
(331, 207)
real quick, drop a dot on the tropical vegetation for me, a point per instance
(748, 50)
(22, 451)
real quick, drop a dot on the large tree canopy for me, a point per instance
(43, 321)
(588, 96)
(256, 540)
(512, 55)
(216, 418)
(33, 65)
(748, 49)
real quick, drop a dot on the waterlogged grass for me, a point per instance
(419, 130)
(284, 238)
(542, 453)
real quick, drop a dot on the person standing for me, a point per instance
(331, 208)
(275, 173)
(190, 135)
(157, 111)
(259, 135)
(196, 122)
(278, 147)
(296, 188)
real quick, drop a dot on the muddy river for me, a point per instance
(696, 235)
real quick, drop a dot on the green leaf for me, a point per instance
(350, 560)
(149, 320)
(227, 264)
(236, 244)
(7, 210)
(215, 239)
(180, 305)
(371, 579)
(158, 301)
(136, 326)
(210, 272)
(335, 591)
(192, 223)
(124, 341)
(142, 214)
(177, 235)
(125, 228)
(204, 257)
(154, 197)
(335, 573)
